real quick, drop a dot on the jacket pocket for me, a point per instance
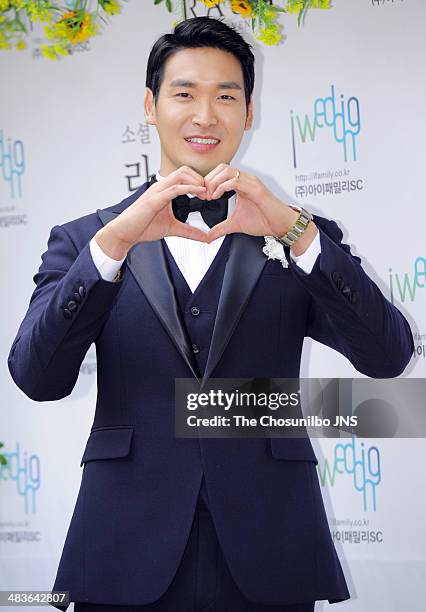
(108, 443)
(292, 449)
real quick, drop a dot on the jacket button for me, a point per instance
(195, 311)
(340, 283)
(77, 297)
(82, 290)
(347, 291)
(195, 348)
(335, 276)
(67, 313)
(72, 305)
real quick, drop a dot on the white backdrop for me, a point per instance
(339, 126)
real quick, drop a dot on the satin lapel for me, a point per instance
(243, 268)
(148, 265)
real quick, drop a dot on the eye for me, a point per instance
(184, 93)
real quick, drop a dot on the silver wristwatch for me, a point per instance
(297, 229)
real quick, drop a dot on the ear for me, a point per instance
(249, 118)
(149, 107)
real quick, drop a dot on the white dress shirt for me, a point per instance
(192, 256)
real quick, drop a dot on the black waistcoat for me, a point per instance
(198, 310)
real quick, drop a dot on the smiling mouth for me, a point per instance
(202, 145)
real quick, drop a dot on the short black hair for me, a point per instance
(200, 32)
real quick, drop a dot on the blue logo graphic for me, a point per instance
(360, 463)
(406, 285)
(24, 469)
(12, 164)
(345, 123)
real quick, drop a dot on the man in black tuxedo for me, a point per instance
(173, 282)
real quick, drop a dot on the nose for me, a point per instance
(205, 114)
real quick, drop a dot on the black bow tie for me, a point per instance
(212, 211)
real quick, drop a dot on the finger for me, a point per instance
(225, 186)
(163, 198)
(218, 178)
(190, 173)
(184, 230)
(221, 229)
(219, 168)
(183, 175)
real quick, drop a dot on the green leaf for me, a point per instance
(272, 7)
(303, 11)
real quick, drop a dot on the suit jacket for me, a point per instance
(140, 483)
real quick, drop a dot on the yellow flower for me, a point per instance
(242, 7)
(294, 6)
(49, 52)
(321, 4)
(269, 12)
(112, 7)
(57, 30)
(20, 45)
(269, 35)
(211, 3)
(2, 18)
(4, 5)
(38, 13)
(60, 49)
(72, 28)
(18, 4)
(4, 43)
(87, 29)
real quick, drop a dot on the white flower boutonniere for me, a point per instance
(274, 250)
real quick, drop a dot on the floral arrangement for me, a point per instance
(73, 22)
(66, 24)
(262, 14)
(274, 250)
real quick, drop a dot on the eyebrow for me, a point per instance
(223, 85)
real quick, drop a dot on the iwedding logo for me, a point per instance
(12, 164)
(362, 463)
(405, 285)
(344, 121)
(24, 469)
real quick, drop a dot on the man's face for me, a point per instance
(202, 94)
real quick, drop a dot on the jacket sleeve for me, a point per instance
(66, 312)
(349, 313)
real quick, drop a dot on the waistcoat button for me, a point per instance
(195, 311)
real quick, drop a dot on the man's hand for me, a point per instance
(151, 216)
(258, 212)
